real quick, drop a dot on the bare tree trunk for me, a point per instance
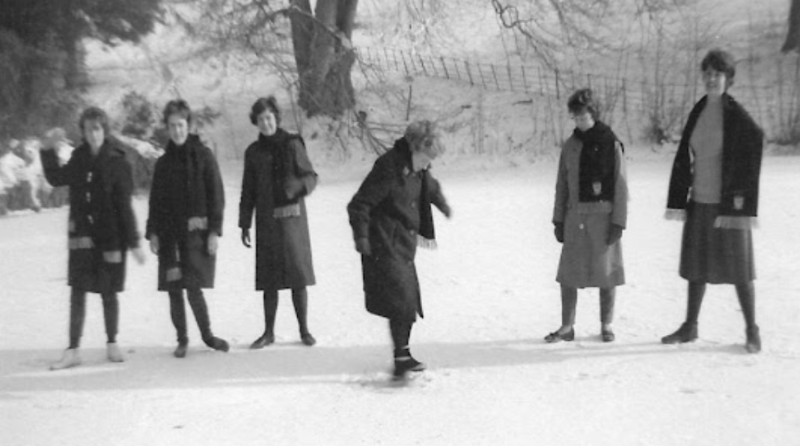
(793, 35)
(324, 55)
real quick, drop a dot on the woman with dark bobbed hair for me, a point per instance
(590, 213)
(186, 208)
(714, 189)
(102, 227)
(277, 177)
(390, 215)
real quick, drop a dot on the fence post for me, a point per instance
(422, 62)
(541, 80)
(494, 73)
(433, 66)
(444, 66)
(781, 122)
(403, 55)
(408, 106)
(469, 72)
(480, 71)
(524, 80)
(558, 89)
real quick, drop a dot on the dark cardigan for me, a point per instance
(742, 147)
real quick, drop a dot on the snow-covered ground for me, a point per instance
(489, 295)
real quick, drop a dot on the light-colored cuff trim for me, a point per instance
(81, 243)
(112, 256)
(423, 242)
(292, 210)
(727, 222)
(174, 274)
(675, 214)
(198, 224)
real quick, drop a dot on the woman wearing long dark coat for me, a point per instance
(102, 227)
(185, 222)
(277, 177)
(390, 214)
(714, 189)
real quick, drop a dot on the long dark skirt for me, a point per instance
(715, 255)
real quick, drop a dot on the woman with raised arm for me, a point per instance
(102, 227)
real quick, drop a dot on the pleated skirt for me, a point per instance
(714, 255)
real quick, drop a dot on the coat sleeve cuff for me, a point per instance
(675, 214)
(728, 222)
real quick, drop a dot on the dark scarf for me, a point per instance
(427, 233)
(283, 164)
(597, 163)
(187, 157)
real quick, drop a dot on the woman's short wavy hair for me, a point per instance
(583, 101)
(263, 104)
(423, 136)
(95, 114)
(722, 61)
(177, 107)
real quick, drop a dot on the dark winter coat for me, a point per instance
(742, 146)
(102, 225)
(187, 201)
(386, 210)
(277, 177)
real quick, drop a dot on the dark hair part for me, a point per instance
(178, 107)
(263, 104)
(583, 101)
(722, 61)
(95, 114)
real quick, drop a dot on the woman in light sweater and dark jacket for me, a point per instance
(714, 188)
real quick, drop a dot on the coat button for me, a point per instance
(413, 204)
(411, 231)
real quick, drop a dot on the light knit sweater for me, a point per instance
(706, 146)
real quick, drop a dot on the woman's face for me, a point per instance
(266, 122)
(584, 121)
(94, 134)
(715, 82)
(178, 128)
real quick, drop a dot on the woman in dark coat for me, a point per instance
(390, 214)
(714, 188)
(185, 222)
(277, 177)
(102, 227)
(590, 213)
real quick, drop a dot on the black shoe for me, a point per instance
(687, 333)
(265, 340)
(407, 364)
(180, 351)
(607, 335)
(753, 344)
(307, 339)
(557, 337)
(218, 344)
